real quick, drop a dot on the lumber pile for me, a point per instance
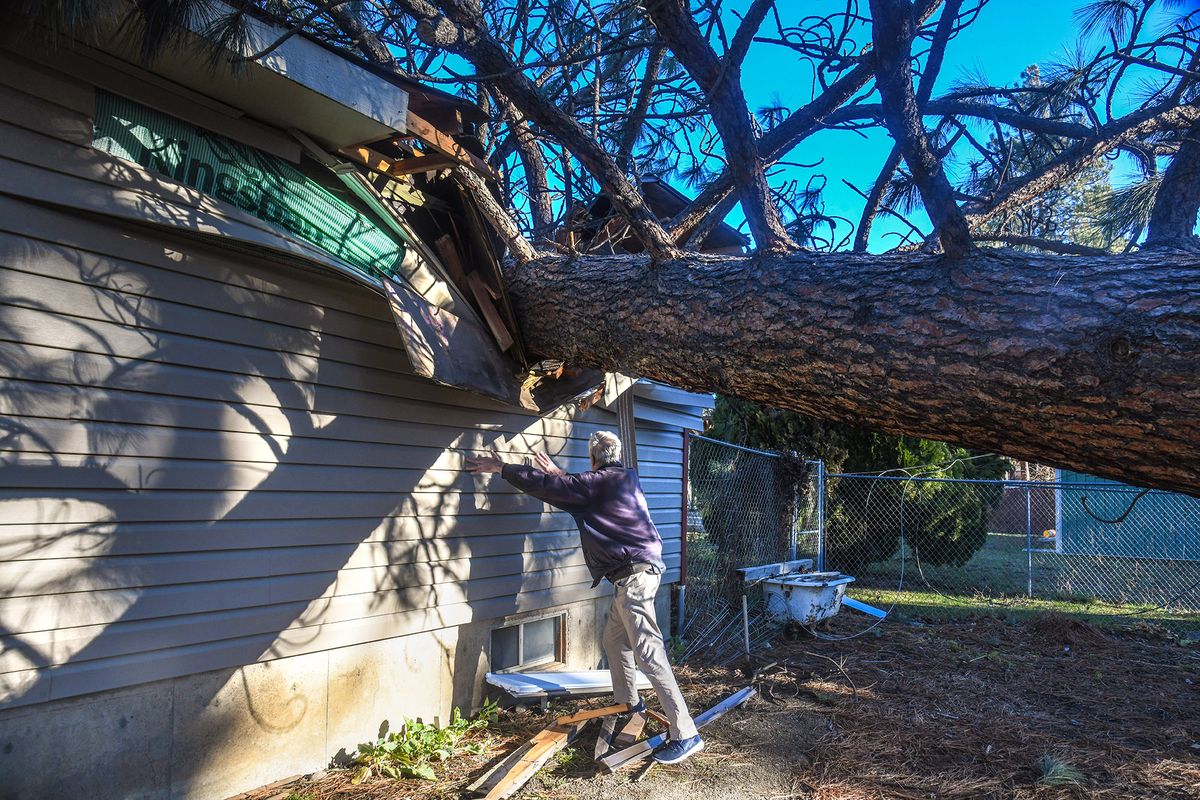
(519, 767)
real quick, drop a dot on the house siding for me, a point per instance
(232, 524)
(164, 460)
(1157, 525)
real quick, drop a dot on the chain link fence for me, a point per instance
(745, 508)
(928, 548)
(931, 547)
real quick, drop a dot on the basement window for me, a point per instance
(528, 644)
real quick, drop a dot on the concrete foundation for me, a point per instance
(216, 734)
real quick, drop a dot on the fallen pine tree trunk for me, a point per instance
(1083, 362)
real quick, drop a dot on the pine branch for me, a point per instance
(459, 26)
(721, 82)
(893, 28)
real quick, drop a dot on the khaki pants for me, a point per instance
(632, 638)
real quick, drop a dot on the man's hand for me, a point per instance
(547, 466)
(484, 464)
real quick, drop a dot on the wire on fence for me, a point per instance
(1098, 549)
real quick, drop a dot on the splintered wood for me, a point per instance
(504, 779)
(632, 730)
(523, 763)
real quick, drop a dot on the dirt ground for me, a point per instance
(968, 709)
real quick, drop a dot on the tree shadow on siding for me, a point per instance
(188, 491)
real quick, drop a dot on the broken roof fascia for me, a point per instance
(300, 61)
(299, 84)
(420, 93)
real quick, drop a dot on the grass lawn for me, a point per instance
(997, 580)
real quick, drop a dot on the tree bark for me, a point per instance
(1178, 200)
(1087, 363)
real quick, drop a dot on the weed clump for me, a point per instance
(412, 750)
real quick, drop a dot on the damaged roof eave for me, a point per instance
(298, 84)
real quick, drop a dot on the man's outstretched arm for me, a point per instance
(560, 489)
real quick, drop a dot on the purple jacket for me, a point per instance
(609, 508)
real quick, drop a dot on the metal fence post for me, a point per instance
(821, 516)
(681, 596)
(1029, 539)
(792, 544)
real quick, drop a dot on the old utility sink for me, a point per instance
(805, 597)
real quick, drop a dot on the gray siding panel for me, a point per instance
(210, 461)
(216, 431)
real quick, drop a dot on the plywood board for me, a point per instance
(450, 349)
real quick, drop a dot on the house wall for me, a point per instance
(235, 533)
(1158, 525)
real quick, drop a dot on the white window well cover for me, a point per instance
(526, 684)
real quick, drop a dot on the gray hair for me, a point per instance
(605, 447)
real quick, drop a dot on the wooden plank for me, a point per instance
(632, 730)
(484, 783)
(635, 753)
(657, 717)
(542, 748)
(396, 167)
(593, 713)
(448, 252)
(491, 314)
(376, 162)
(419, 163)
(442, 142)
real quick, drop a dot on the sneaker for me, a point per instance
(677, 750)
